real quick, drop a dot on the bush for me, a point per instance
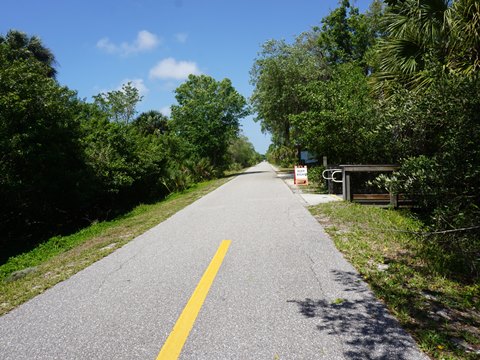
(281, 155)
(315, 174)
(437, 133)
(44, 182)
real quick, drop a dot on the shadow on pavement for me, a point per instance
(366, 328)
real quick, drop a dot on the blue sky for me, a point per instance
(155, 44)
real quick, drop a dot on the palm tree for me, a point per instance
(423, 35)
(463, 19)
(151, 122)
(23, 46)
(416, 40)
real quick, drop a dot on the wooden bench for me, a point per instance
(382, 199)
(348, 170)
(371, 197)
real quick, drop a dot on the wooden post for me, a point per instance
(330, 186)
(349, 190)
(394, 200)
(347, 194)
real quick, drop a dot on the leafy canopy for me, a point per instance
(207, 117)
(119, 105)
(276, 74)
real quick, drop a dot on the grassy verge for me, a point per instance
(441, 311)
(29, 274)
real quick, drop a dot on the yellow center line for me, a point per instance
(175, 341)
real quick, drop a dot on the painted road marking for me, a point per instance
(175, 341)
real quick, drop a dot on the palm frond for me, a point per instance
(464, 43)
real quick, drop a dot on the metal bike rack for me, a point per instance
(339, 171)
(329, 176)
(332, 175)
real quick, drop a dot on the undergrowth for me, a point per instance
(433, 300)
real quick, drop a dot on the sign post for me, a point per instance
(300, 176)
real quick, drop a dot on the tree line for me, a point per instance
(66, 162)
(399, 84)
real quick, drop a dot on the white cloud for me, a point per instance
(181, 38)
(145, 41)
(170, 68)
(136, 83)
(106, 45)
(166, 110)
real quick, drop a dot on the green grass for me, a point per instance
(62, 256)
(405, 271)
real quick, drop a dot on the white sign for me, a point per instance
(300, 176)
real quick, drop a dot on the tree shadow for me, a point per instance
(366, 328)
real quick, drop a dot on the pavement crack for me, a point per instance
(117, 269)
(312, 263)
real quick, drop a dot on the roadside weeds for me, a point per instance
(441, 311)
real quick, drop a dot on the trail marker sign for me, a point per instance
(300, 176)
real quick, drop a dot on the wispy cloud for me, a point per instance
(136, 83)
(145, 41)
(107, 46)
(181, 37)
(170, 68)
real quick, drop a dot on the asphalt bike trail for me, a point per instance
(282, 290)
